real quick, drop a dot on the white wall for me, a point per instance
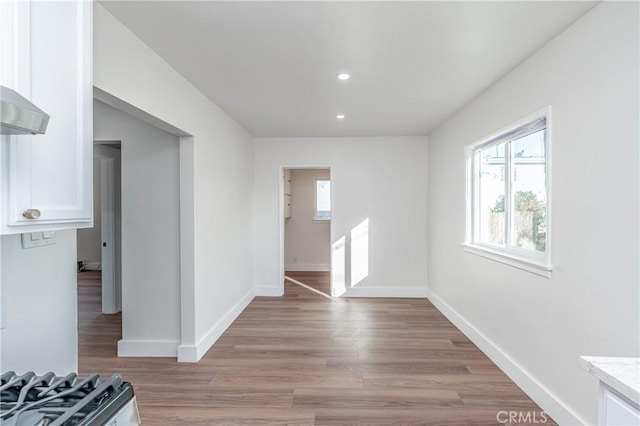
(306, 243)
(537, 327)
(150, 232)
(39, 292)
(383, 179)
(89, 239)
(218, 281)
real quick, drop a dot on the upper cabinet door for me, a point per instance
(47, 57)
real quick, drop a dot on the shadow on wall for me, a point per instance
(358, 258)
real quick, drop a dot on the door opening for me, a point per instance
(306, 216)
(99, 247)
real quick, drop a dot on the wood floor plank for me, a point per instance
(374, 398)
(434, 416)
(459, 382)
(205, 416)
(303, 359)
(213, 397)
(286, 379)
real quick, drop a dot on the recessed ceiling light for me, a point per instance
(340, 116)
(343, 76)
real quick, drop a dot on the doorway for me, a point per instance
(306, 230)
(99, 248)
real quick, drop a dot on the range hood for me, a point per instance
(18, 116)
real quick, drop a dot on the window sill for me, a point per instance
(316, 220)
(529, 265)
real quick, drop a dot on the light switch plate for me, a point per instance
(38, 239)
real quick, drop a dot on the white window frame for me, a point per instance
(528, 260)
(317, 218)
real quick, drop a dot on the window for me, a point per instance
(507, 195)
(323, 199)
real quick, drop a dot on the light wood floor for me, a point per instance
(304, 359)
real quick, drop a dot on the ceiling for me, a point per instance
(272, 66)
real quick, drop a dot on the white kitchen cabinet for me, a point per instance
(616, 410)
(619, 390)
(46, 56)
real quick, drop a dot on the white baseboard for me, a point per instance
(405, 292)
(312, 267)
(193, 353)
(188, 353)
(551, 404)
(147, 348)
(269, 291)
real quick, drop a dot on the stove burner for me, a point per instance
(51, 401)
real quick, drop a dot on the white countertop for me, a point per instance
(621, 374)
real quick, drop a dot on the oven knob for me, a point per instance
(31, 214)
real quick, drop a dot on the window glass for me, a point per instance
(323, 199)
(508, 192)
(529, 191)
(491, 191)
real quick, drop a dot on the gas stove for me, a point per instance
(49, 400)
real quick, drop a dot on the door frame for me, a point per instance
(188, 346)
(281, 220)
(108, 236)
(111, 299)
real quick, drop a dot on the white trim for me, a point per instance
(108, 234)
(548, 173)
(394, 292)
(142, 115)
(542, 112)
(269, 291)
(187, 353)
(147, 348)
(187, 244)
(281, 217)
(110, 159)
(542, 396)
(526, 264)
(521, 258)
(313, 267)
(193, 353)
